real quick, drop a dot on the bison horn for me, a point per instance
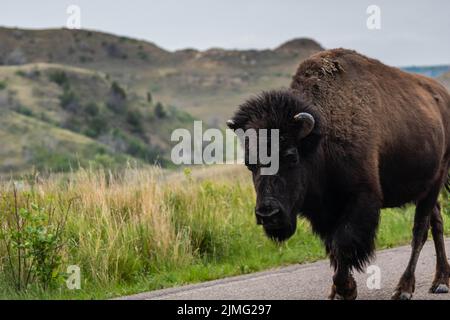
(231, 124)
(307, 121)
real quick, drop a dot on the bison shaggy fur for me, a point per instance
(377, 137)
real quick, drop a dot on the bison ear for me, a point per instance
(306, 122)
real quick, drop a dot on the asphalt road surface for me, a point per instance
(312, 281)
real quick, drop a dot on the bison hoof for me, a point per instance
(348, 294)
(439, 288)
(338, 297)
(399, 295)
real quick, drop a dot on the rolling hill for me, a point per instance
(56, 117)
(208, 84)
(81, 97)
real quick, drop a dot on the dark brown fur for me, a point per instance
(388, 117)
(382, 139)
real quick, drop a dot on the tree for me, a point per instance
(160, 112)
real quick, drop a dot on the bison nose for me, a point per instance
(267, 215)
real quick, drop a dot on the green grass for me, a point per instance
(144, 229)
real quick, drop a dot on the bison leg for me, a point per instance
(441, 278)
(352, 244)
(406, 285)
(344, 285)
(424, 210)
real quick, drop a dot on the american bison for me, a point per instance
(356, 136)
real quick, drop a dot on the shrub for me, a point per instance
(97, 125)
(92, 109)
(117, 97)
(69, 100)
(138, 149)
(112, 50)
(21, 73)
(117, 90)
(160, 111)
(33, 238)
(134, 119)
(59, 77)
(103, 161)
(24, 110)
(143, 55)
(32, 74)
(2, 85)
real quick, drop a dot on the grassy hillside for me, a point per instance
(54, 117)
(118, 99)
(29, 143)
(208, 84)
(147, 229)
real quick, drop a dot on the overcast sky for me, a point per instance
(412, 32)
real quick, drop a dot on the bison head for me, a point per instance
(280, 195)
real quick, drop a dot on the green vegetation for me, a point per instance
(134, 119)
(46, 160)
(89, 107)
(160, 112)
(142, 55)
(24, 110)
(92, 109)
(59, 77)
(131, 232)
(68, 99)
(2, 85)
(21, 73)
(48, 148)
(118, 90)
(32, 238)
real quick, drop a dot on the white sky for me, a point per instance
(415, 32)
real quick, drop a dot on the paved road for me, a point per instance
(310, 281)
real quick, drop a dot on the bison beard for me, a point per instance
(356, 136)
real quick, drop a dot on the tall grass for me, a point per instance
(146, 229)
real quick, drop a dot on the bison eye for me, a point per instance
(291, 157)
